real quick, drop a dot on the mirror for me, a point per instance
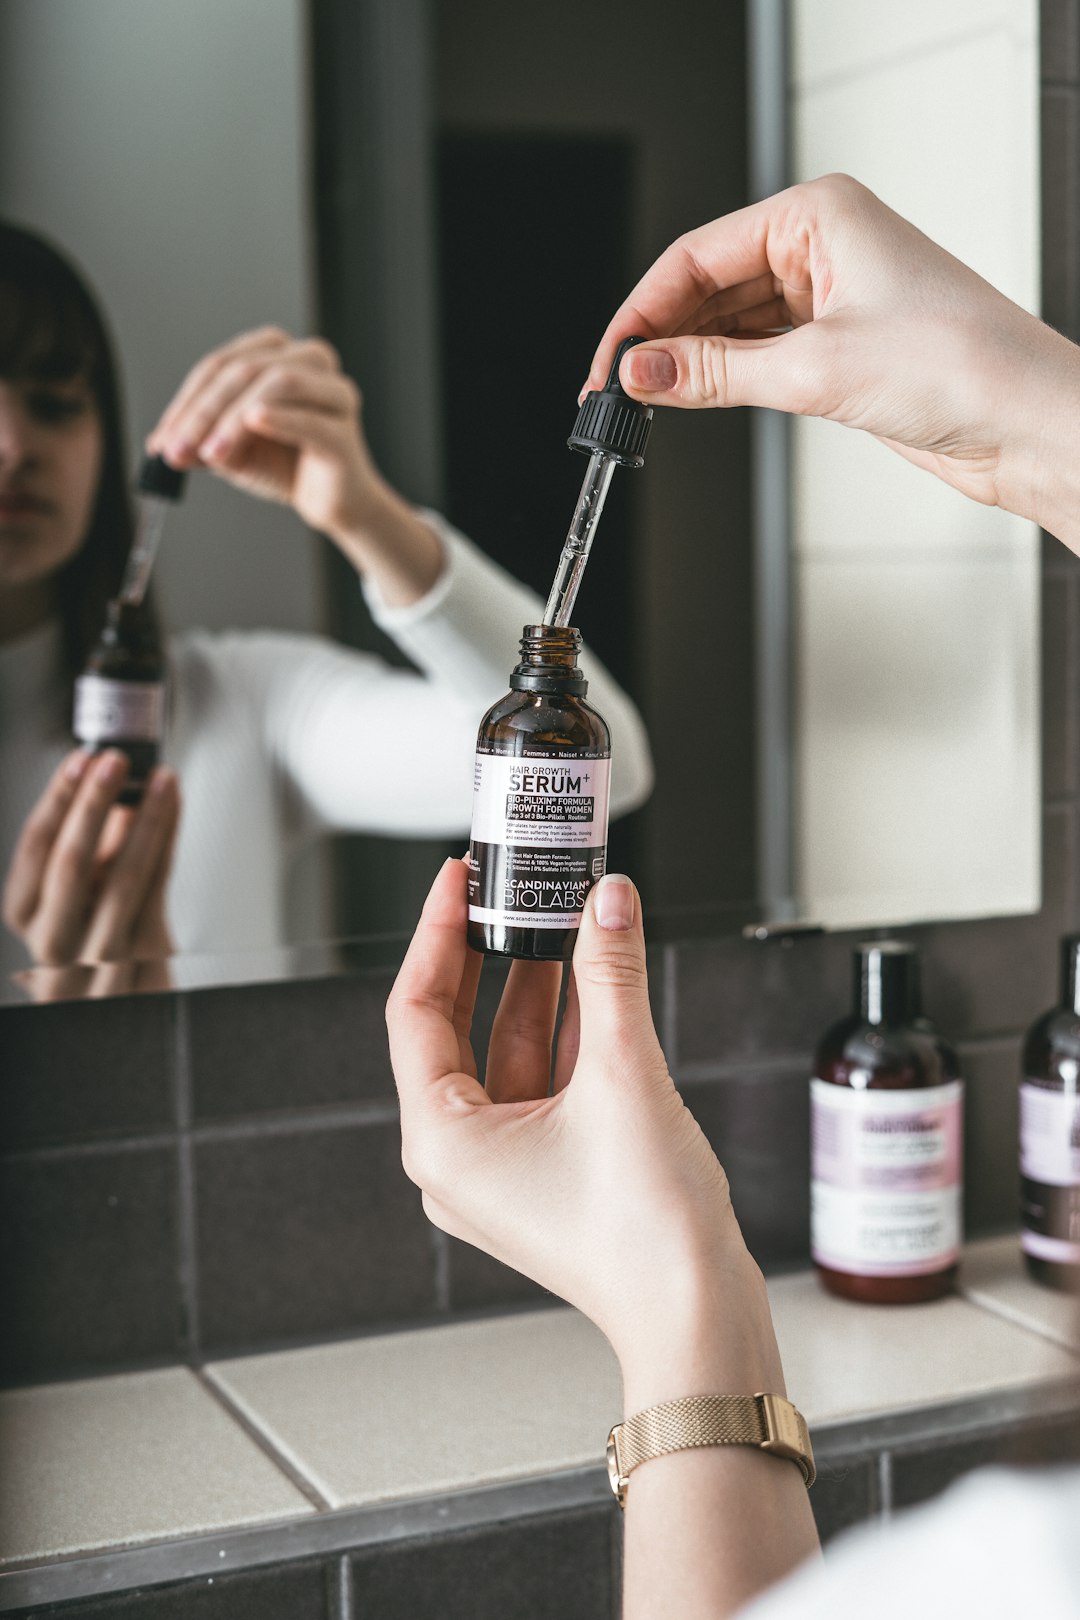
(835, 658)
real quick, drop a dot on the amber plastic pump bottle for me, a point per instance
(540, 805)
(886, 1131)
(1050, 1135)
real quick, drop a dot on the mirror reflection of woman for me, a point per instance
(273, 737)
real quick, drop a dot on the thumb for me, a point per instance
(611, 976)
(699, 372)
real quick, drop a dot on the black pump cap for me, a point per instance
(610, 420)
(1070, 972)
(156, 477)
(887, 988)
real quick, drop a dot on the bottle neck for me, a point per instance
(1070, 972)
(887, 983)
(549, 662)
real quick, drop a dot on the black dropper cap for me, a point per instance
(887, 989)
(611, 421)
(1070, 972)
(156, 477)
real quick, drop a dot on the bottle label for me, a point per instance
(539, 837)
(886, 1180)
(1050, 1174)
(118, 711)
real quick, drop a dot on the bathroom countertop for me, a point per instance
(389, 1435)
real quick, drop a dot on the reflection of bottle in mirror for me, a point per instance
(1050, 1135)
(886, 1129)
(120, 696)
(540, 805)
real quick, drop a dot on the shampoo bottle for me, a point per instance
(1050, 1135)
(886, 1132)
(540, 805)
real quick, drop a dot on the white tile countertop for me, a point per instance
(126, 1460)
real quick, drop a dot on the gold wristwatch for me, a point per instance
(767, 1421)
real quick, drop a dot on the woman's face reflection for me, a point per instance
(50, 464)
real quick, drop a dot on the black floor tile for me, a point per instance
(759, 1128)
(306, 1234)
(477, 1280)
(268, 1047)
(88, 1261)
(73, 1071)
(281, 1592)
(557, 1568)
(920, 1475)
(844, 1494)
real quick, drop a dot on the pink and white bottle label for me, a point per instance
(118, 711)
(886, 1180)
(1050, 1174)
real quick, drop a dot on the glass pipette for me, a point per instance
(159, 487)
(611, 429)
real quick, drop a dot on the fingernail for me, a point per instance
(614, 901)
(160, 782)
(219, 445)
(654, 370)
(180, 450)
(75, 767)
(111, 766)
(581, 396)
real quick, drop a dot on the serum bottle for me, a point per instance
(540, 805)
(1050, 1135)
(886, 1132)
(120, 696)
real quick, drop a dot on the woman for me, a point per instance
(606, 1192)
(272, 737)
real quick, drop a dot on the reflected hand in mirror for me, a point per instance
(823, 302)
(88, 878)
(277, 738)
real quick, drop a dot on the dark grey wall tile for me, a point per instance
(844, 1493)
(759, 1128)
(76, 1070)
(554, 1568)
(991, 1127)
(280, 1592)
(477, 1280)
(1060, 135)
(1059, 30)
(737, 1000)
(1059, 706)
(307, 1233)
(267, 1047)
(920, 1475)
(995, 976)
(88, 1261)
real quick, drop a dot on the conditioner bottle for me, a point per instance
(540, 805)
(1050, 1135)
(886, 1133)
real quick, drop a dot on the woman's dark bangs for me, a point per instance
(46, 332)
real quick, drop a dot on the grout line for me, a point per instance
(885, 1486)
(187, 1257)
(344, 1591)
(256, 1433)
(441, 1246)
(1008, 1313)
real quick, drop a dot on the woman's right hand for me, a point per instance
(88, 877)
(823, 302)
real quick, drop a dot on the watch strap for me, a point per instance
(769, 1422)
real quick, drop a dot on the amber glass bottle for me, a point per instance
(1050, 1135)
(120, 696)
(885, 1104)
(540, 805)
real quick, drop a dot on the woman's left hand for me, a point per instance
(276, 417)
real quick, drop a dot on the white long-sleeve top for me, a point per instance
(277, 737)
(1000, 1545)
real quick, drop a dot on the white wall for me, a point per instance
(917, 611)
(162, 143)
